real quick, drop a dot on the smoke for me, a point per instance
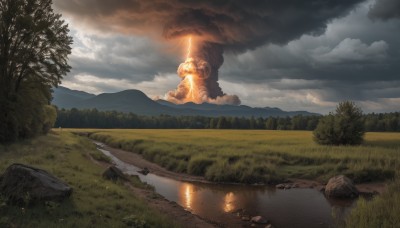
(223, 25)
(201, 68)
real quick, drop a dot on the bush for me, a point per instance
(345, 127)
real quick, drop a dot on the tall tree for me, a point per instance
(34, 49)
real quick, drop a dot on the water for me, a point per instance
(283, 208)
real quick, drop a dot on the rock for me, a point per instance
(144, 171)
(340, 187)
(114, 174)
(288, 186)
(284, 186)
(280, 186)
(245, 218)
(259, 220)
(25, 184)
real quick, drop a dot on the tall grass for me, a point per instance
(251, 156)
(95, 202)
(383, 211)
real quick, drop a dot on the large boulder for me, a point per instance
(26, 184)
(341, 187)
(114, 174)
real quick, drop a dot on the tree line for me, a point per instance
(92, 118)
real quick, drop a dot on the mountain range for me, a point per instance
(137, 102)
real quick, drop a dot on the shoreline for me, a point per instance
(138, 161)
(158, 202)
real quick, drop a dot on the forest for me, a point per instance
(93, 118)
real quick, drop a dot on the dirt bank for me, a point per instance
(138, 161)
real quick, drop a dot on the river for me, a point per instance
(283, 208)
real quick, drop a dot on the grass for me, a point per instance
(253, 156)
(382, 211)
(95, 202)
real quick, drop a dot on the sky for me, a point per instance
(295, 55)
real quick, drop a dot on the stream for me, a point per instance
(283, 208)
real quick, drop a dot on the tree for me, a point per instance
(34, 49)
(271, 123)
(222, 123)
(345, 127)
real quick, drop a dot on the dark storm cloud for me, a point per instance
(385, 9)
(237, 25)
(234, 26)
(268, 59)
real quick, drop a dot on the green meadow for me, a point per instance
(271, 156)
(258, 156)
(95, 202)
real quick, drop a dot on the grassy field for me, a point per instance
(258, 156)
(95, 202)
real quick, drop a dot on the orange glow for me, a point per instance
(190, 72)
(191, 86)
(194, 73)
(188, 195)
(189, 52)
(228, 202)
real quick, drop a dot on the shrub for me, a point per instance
(345, 127)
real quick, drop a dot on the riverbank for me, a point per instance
(95, 202)
(257, 157)
(138, 161)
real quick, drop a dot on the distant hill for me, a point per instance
(68, 98)
(137, 102)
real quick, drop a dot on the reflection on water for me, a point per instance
(188, 195)
(284, 208)
(229, 202)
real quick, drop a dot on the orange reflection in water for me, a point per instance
(228, 202)
(187, 192)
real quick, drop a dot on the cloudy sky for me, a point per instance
(295, 55)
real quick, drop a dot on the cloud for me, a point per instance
(347, 57)
(237, 25)
(385, 9)
(121, 57)
(351, 51)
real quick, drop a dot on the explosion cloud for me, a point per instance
(214, 27)
(199, 75)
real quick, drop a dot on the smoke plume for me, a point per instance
(217, 26)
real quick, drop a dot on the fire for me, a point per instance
(193, 73)
(189, 52)
(191, 86)
(199, 78)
